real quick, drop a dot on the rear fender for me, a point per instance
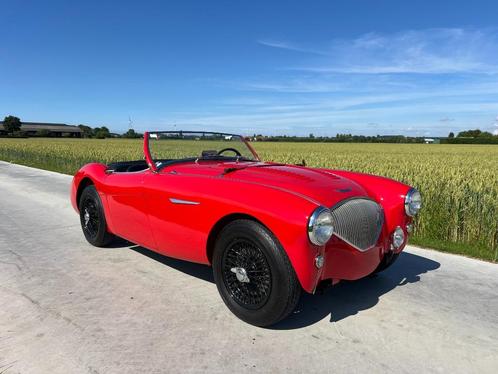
(94, 173)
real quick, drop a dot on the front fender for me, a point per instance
(387, 192)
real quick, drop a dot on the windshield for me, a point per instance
(170, 146)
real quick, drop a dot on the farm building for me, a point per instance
(432, 141)
(50, 129)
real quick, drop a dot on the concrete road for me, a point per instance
(67, 307)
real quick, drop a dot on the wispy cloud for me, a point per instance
(422, 82)
(431, 51)
(290, 46)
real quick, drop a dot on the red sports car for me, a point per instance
(269, 230)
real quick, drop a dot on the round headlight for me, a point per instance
(320, 227)
(398, 237)
(413, 202)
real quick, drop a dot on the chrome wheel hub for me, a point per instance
(241, 274)
(86, 216)
(246, 274)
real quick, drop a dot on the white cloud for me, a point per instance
(411, 82)
(495, 131)
(431, 51)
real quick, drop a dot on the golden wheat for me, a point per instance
(459, 183)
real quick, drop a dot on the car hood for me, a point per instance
(324, 187)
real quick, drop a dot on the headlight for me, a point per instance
(320, 227)
(413, 202)
(398, 237)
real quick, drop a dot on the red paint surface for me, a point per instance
(138, 208)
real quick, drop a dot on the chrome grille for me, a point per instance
(358, 222)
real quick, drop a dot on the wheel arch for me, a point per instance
(85, 182)
(220, 224)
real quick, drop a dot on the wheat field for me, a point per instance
(459, 183)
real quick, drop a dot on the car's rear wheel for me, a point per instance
(253, 274)
(92, 218)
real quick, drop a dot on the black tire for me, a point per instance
(388, 259)
(274, 291)
(92, 218)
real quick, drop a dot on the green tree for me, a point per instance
(86, 131)
(101, 132)
(474, 134)
(132, 134)
(451, 135)
(485, 134)
(469, 134)
(11, 124)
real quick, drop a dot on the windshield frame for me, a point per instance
(152, 164)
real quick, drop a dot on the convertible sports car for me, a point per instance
(269, 230)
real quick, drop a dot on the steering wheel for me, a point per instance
(229, 149)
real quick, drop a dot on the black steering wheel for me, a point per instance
(229, 149)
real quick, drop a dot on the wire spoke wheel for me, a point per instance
(253, 274)
(246, 274)
(91, 218)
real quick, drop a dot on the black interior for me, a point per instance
(139, 165)
(127, 166)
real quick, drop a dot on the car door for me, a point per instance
(125, 197)
(174, 216)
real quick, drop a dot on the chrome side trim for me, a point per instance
(184, 202)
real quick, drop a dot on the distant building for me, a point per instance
(52, 129)
(432, 141)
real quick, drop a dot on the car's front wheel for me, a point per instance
(253, 274)
(389, 259)
(92, 218)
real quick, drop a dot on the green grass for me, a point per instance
(459, 183)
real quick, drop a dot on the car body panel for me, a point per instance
(176, 209)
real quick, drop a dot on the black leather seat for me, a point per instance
(137, 167)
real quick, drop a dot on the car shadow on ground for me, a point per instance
(339, 302)
(349, 298)
(200, 271)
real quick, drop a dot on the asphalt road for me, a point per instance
(67, 307)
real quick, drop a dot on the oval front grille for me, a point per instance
(358, 222)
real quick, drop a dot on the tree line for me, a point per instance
(472, 137)
(12, 125)
(103, 132)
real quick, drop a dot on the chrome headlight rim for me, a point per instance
(409, 198)
(313, 226)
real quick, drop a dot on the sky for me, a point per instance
(421, 68)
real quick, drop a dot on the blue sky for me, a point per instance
(279, 67)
